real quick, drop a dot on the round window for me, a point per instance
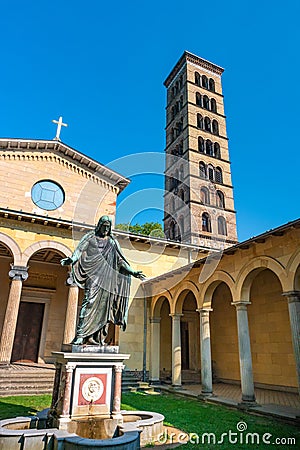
(47, 195)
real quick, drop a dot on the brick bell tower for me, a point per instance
(199, 206)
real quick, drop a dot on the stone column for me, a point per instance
(71, 313)
(116, 412)
(56, 384)
(248, 395)
(294, 313)
(206, 370)
(18, 275)
(176, 350)
(155, 349)
(66, 403)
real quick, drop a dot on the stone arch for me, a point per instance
(209, 287)
(13, 247)
(293, 269)
(156, 303)
(61, 248)
(47, 289)
(251, 269)
(180, 295)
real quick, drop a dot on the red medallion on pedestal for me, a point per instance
(92, 389)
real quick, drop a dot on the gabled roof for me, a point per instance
(60, 148)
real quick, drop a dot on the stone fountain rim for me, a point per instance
(154, 418)
(127, 427)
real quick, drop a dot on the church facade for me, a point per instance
(230, 315)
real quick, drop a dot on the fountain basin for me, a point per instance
(138, 428)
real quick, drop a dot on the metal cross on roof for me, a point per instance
(59, 123)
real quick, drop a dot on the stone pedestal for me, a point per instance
(87, 390)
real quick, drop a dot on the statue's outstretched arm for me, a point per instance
(125, 264)
(135, 273)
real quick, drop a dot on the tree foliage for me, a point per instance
(153, 229)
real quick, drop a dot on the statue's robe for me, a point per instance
(98, 267)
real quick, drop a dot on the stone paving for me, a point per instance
(280, 404)
(263, 396)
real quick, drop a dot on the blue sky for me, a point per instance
(101, 65)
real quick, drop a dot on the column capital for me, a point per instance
(176, 316)
(155, 319)
(241, 305)
(70, 367)
(204, 310)
(18, 272)
(292, 296)
(119, 367)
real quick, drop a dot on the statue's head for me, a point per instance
(103, 227)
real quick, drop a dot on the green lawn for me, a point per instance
(193, 416)
(189, 415)
(24, 405)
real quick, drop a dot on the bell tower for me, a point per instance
(199, 206)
